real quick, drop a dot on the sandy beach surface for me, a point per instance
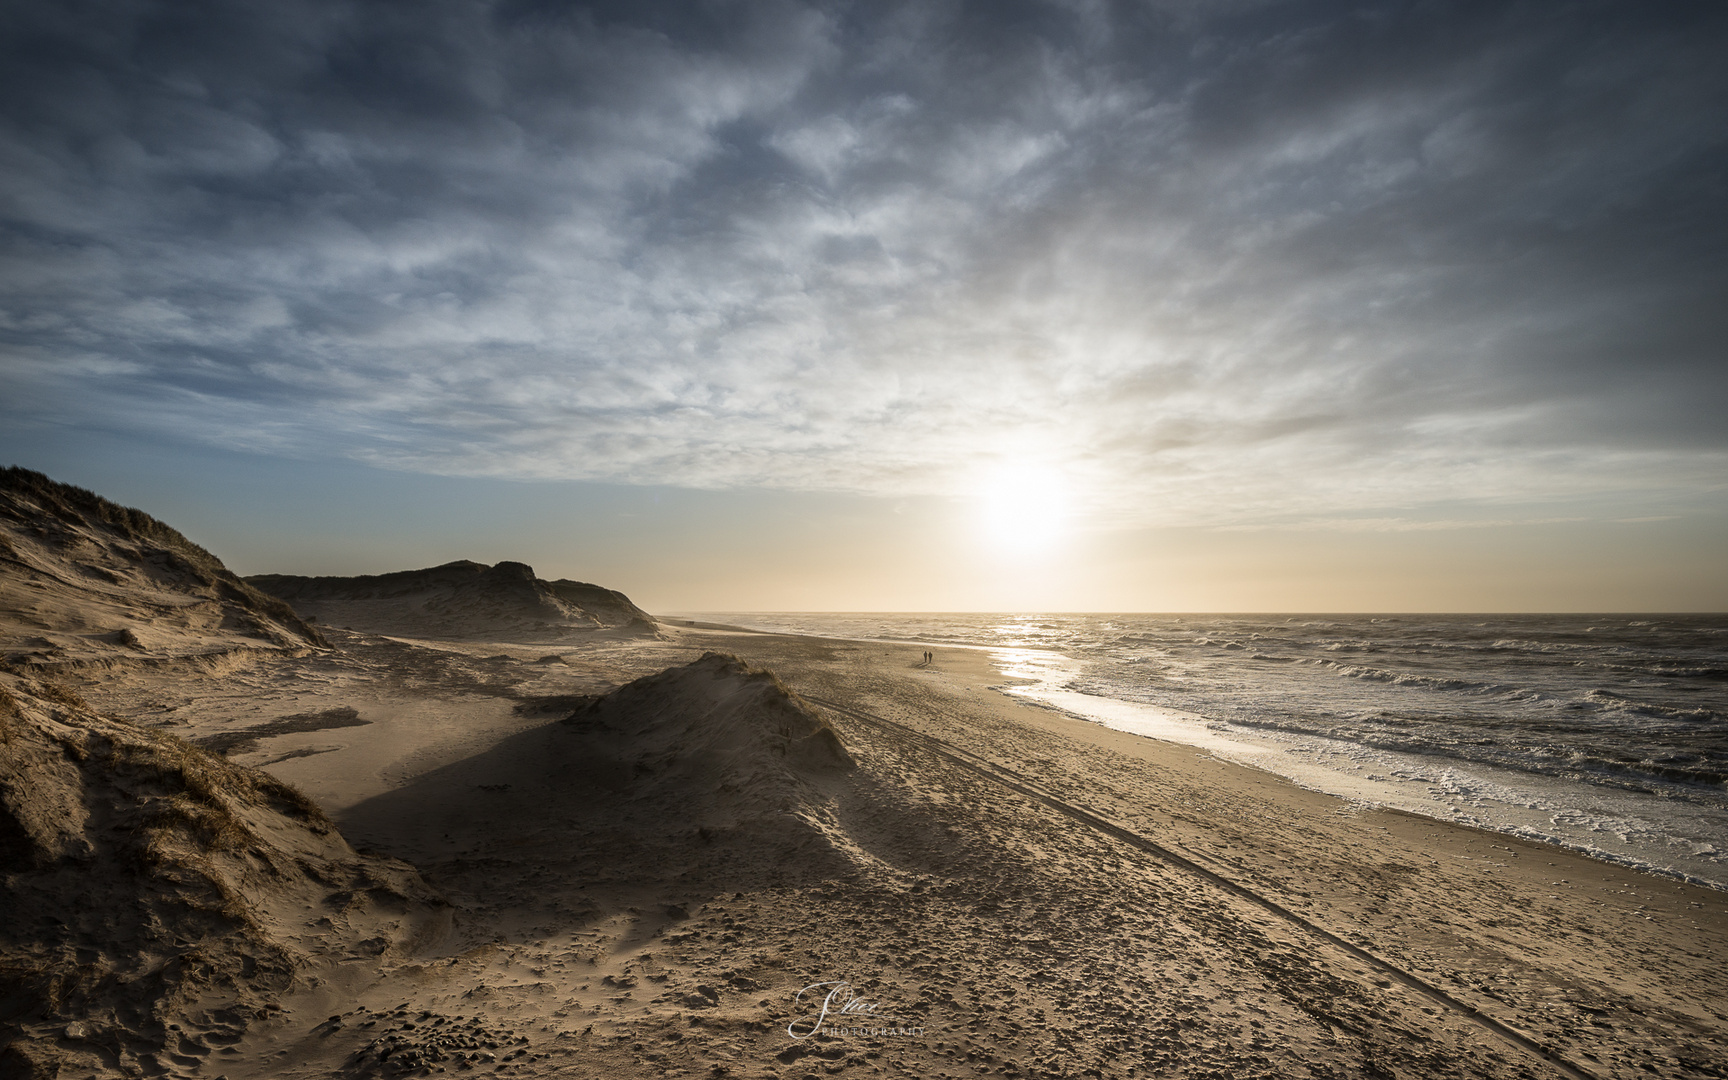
(984, 887)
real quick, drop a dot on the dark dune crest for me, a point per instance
(716, 707)
(462, 600)
(93, 582)
(718, 766)
(708, 775)
(149, 883)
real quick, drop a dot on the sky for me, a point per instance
(1171, 305)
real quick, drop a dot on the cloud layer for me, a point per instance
(1216, 262)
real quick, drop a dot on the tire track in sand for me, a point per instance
(1024, 785)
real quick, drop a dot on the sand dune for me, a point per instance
(463, 601)
(83, 580)
(160, 899)
(707, 771)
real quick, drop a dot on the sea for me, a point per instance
(1606, 734)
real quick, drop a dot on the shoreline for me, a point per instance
(1375, 790)
(1278, 838)
(1580, 816)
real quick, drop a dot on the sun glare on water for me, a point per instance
(1024, 509)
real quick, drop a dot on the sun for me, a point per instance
(1024, 509)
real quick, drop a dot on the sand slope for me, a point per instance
(609, 607)
(83, 580)
(708, 770)
(159, 899)
(710, 744)
(462, 600)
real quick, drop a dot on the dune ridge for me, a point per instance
(724, 753)
(87, 581)
(161, 899)
(707, 769)
(462, 600)
(714, 725)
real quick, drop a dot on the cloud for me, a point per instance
(1218, 263)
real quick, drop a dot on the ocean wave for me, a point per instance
(1641, 773)
(1426, 682)
(1349, 646)
(1521, 645)
(1222, 643)
(1698, 777)
(1686, 672)
(1657, 668)
(1373, 674)
(1610, 700)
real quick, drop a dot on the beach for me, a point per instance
(1001, 888)
(1140, 540)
